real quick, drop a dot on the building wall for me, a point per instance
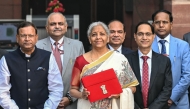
(181, 14)
(143, 9)
(10, 9)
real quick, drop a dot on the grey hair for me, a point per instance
(92, 25)
(53, 14)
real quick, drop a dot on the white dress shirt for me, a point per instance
(118, 50)
(166, 43)
(149, 61)
(55, 85)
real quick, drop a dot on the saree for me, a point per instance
(124, 74)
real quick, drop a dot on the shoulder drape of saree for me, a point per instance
(126, 100)
(83, 104)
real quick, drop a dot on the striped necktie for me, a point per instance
(56, 53)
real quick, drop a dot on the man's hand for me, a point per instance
(170, 102)
(63, 103)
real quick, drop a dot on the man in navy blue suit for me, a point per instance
(117, 37)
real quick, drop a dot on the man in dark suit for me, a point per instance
(186, 37)
(2, 52)
(152, 70)
(117, 36)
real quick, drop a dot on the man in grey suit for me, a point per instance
(68, 48)
(2, 52)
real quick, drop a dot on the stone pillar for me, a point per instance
(181, 13)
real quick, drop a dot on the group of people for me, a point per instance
(46, 74)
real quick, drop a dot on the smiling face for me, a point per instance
(144, 36)
(162, 25)
(117, 34)
(56, 26)
(98, 37)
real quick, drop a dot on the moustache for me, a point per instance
(57, 29)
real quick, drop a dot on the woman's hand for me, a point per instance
(84, 94)
(114, 96)
(133, 89)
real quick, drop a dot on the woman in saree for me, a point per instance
(98, 59)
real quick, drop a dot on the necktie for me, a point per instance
(145, 81)
(163, 51)
(56, 53)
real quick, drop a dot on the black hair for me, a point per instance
(117, 21)
(165, 11)
(140, 23)
(26, 24)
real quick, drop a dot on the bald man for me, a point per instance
(68, 49)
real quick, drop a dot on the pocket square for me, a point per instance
(41, 68)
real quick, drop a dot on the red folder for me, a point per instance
(101, 85)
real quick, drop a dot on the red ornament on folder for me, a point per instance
(102, 85)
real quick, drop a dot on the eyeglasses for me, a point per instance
(141, 34)
(163, 22)
(25, 36)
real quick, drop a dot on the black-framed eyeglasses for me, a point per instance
(140, 34)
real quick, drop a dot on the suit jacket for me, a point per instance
(186, 37)
(124, 50)
(160, 81)
(72, 49)
(180, 59)
(2, 52)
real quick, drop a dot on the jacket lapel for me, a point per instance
(154, 69)
(155, 46)
(173, 48)
(67, 53)
(47, 44)
(135, 64)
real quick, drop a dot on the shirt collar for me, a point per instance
(111, 48)
(149, 54)
(167, 38)
(53, 41)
